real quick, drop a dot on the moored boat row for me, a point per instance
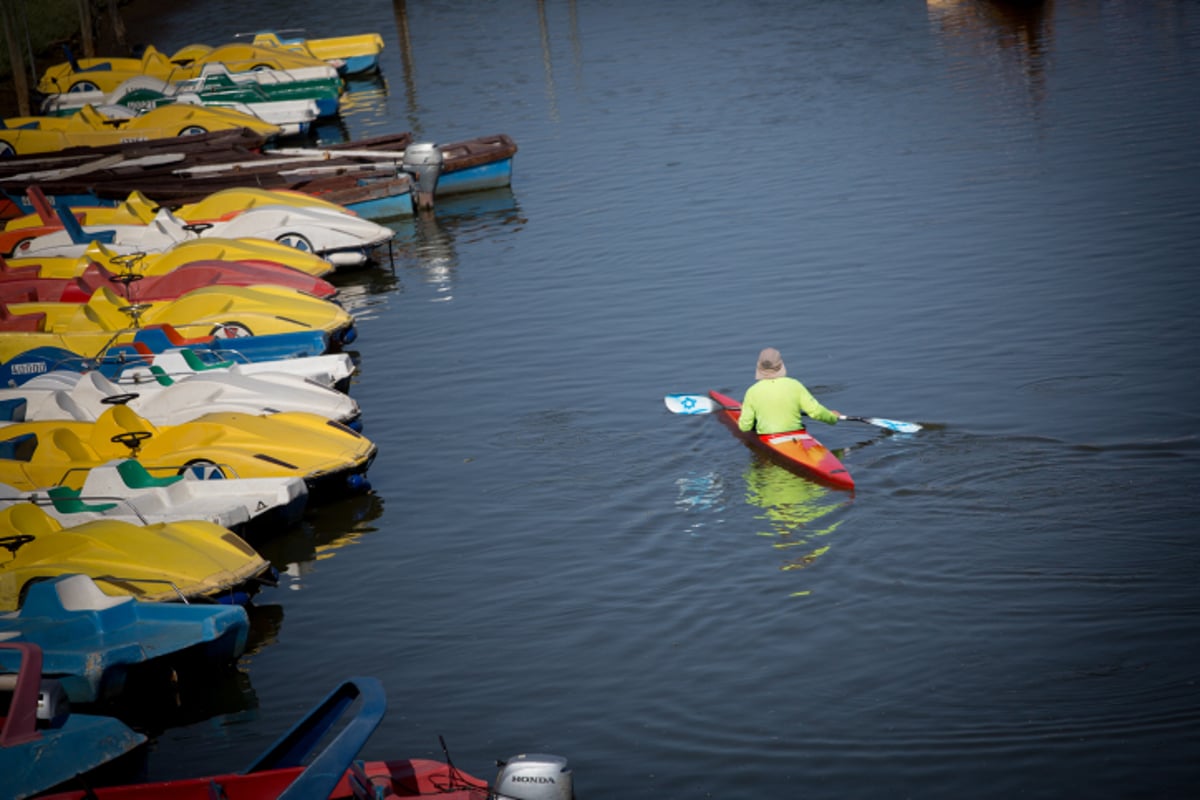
(186, 125)
(176, 393)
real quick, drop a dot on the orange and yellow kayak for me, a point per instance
(796, 449)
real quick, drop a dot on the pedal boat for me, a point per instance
(160, 288)
(340, 237)
(136, 208)
(333, 370)
(123, 489)
(208, 249)
(292, 99)
(221, 311)
(104, 74)
(67, 395)
(43, 745)
(23, 359)
(350, 55)
(189, 560)
(90, 640)
(93, 127)
(331, 458)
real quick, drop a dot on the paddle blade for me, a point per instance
(895, 425)
(689, 404)
(891, 424)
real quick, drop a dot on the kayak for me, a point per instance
(796, 449)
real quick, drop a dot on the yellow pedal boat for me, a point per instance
(91, 127)
(221, 311)
(106, 74)
(189, 560)
(331, 458)
(214, 249)
(351, 55)
(137, 209)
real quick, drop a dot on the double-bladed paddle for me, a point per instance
(703, 404)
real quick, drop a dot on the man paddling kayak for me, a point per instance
(777, 403)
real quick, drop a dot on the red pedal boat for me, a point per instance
(797, 449)
(19, 285)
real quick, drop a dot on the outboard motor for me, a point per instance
(534, 776)
(424, 162)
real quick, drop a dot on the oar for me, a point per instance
(703, 404)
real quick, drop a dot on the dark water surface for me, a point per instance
(980, 218)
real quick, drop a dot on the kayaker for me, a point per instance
(777, 403)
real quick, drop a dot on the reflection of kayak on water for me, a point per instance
(797, 449)
(796, 513)
(796, 510)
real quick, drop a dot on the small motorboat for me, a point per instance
(122, 489)
(90, 640)
(166, 561)
(68, 395)
(285, 769)
(42, 744)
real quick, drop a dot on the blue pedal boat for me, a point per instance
(89, 640)
(42, 744)
(151, 340)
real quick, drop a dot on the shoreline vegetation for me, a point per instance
(39, 29)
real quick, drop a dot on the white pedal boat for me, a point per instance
(331, 369)
(339, 237)
(124, 490)
(63, 394)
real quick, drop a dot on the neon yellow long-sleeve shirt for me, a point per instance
(776, 405)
